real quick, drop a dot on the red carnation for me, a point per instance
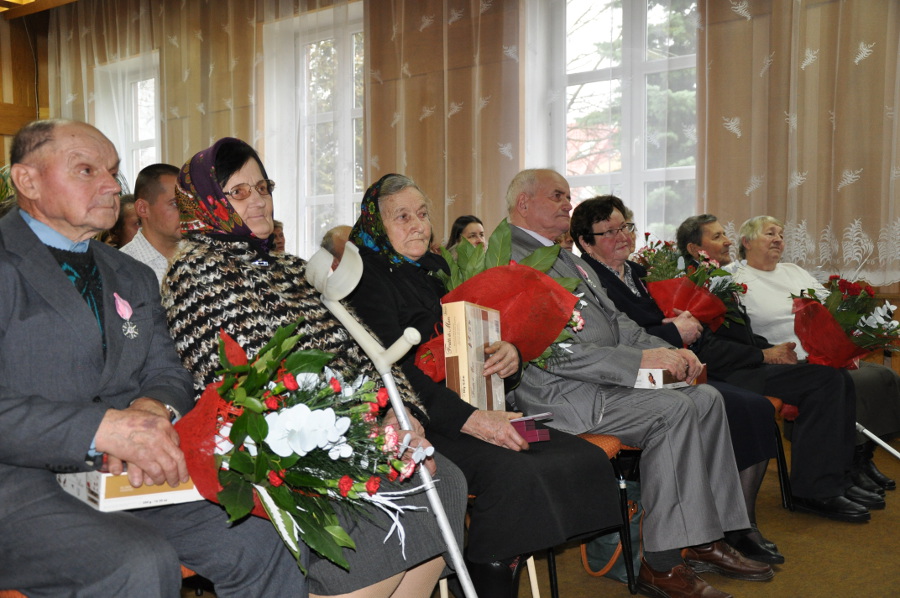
(289, 381)
(345, 484)
(373, 484)
(272, 403)
(834, 277)
(335, 385)
(234, 353)
(393, 474)
(275, 478)
(382, 397)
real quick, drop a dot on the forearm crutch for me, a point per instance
(335, 287)
(885, 445)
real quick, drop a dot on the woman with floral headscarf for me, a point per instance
(527, 497)
(225, 278)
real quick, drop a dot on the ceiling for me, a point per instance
(13, 9)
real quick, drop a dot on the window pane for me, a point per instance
(593, 34)
(359, 81)
(358, 182)
(671, 28)
(319, 219)
(593, 127)
(579, 194)
(667, 205)
(321, 149)
(320, 69)
(144, 156)
(671, 138)
(145, 108)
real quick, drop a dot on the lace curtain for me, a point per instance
(211, 59)
(799, 118)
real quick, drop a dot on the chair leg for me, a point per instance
(625, 530)
(784, 476)
(532, 576)
(551, 568)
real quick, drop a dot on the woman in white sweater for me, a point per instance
(770, 284)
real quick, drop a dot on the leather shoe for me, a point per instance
(759, 550)
(870, 500)
(678, 582)
(834, 507)
(868, 468)
(721, 558)
(865, 482)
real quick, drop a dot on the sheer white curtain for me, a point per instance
(164, 79)
(800, 119)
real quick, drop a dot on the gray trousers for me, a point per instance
(689, 481)
(60, 546)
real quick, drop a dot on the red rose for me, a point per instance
(289, 381)
(382, 397)
(272, 403)
(373, 484)
(275, 478)
(345, 484)
(335, 385)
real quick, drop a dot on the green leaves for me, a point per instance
(499, 250)
(542, 258)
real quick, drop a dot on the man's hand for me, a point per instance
(142, 437)
(689, 327)
(494, 427)
(417, 438)
(504, 359)
(681, 363)
(783, 353)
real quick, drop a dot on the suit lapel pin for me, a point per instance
(123, 308)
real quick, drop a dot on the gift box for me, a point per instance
(468, 330)
(662, 378)
(528, 430)
(107, 492)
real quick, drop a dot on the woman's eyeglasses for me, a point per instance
(628, 227)
(242, 191)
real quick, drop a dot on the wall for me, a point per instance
(23, 55)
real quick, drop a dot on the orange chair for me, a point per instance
(185, 573)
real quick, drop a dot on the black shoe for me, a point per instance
(834, 507)
(762, 551)
(867, 466)
(865, 498)
(863, 481)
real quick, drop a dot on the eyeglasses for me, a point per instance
(628, 227)
(242, 191)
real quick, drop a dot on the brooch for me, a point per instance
(123, 308)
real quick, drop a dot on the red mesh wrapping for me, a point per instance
(199, 431)
(822, 337)
(533, 308)
(683, 294)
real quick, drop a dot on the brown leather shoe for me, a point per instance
(721, 558)
(679, 582)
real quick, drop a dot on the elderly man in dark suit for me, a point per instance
(89, 370)
(690, 486)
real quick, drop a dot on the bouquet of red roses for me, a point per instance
(537, 312)
(850, 322)
(286, 438)
(704, 288)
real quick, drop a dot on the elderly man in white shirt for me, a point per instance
(156, 242)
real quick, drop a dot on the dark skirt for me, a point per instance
(376, 558)
(526, 501)
(751, 423)
(877, 399)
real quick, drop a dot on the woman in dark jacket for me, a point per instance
(527, 498)
(602, 235)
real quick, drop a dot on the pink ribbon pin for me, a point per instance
(123, 308)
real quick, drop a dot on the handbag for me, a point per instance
(602, 556)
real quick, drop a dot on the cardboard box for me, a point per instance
(107, 492)
(661, 378)
(468, 330)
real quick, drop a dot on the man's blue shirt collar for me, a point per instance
(51, 237)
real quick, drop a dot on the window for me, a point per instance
(127, 111)
(321, 99)
(629, 112)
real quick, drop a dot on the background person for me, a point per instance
(470, 228)
(157, 240)
(333, 242)
(527, 497)
(126, 225)
(226, 278)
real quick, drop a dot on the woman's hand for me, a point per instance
(503, 360)
(417, 437)
(689, 327)
(494, 427)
